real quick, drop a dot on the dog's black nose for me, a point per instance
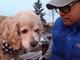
(33, 43)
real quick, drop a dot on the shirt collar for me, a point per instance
(75, 27)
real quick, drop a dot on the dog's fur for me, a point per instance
(23, 29)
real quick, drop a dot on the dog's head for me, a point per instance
(24, 27)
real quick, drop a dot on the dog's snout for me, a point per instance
(33, 43)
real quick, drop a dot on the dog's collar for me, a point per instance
(6, 48)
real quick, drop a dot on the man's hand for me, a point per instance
(78, 45)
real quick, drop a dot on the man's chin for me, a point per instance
(67, 24)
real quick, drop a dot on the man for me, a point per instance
(66, 30)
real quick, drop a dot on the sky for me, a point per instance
(12, 7)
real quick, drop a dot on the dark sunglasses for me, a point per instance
(65, 9)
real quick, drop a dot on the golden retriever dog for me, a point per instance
(21, 30)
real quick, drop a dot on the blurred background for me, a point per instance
(48, 17)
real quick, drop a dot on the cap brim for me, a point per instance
(58, 3)
(50, 6)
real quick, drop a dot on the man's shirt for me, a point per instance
(65, 40)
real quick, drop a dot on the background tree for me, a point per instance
(39, 10)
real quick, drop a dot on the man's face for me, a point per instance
(73, 17)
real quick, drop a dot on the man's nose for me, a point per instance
(61, 13)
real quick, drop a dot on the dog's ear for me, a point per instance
(2, 18)
(9, 29)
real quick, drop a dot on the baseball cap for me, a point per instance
(58, 3)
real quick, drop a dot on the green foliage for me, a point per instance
(39, 10)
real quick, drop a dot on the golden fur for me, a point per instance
(23, 29)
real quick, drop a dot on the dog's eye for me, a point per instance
(25, 31)
(36, 30)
